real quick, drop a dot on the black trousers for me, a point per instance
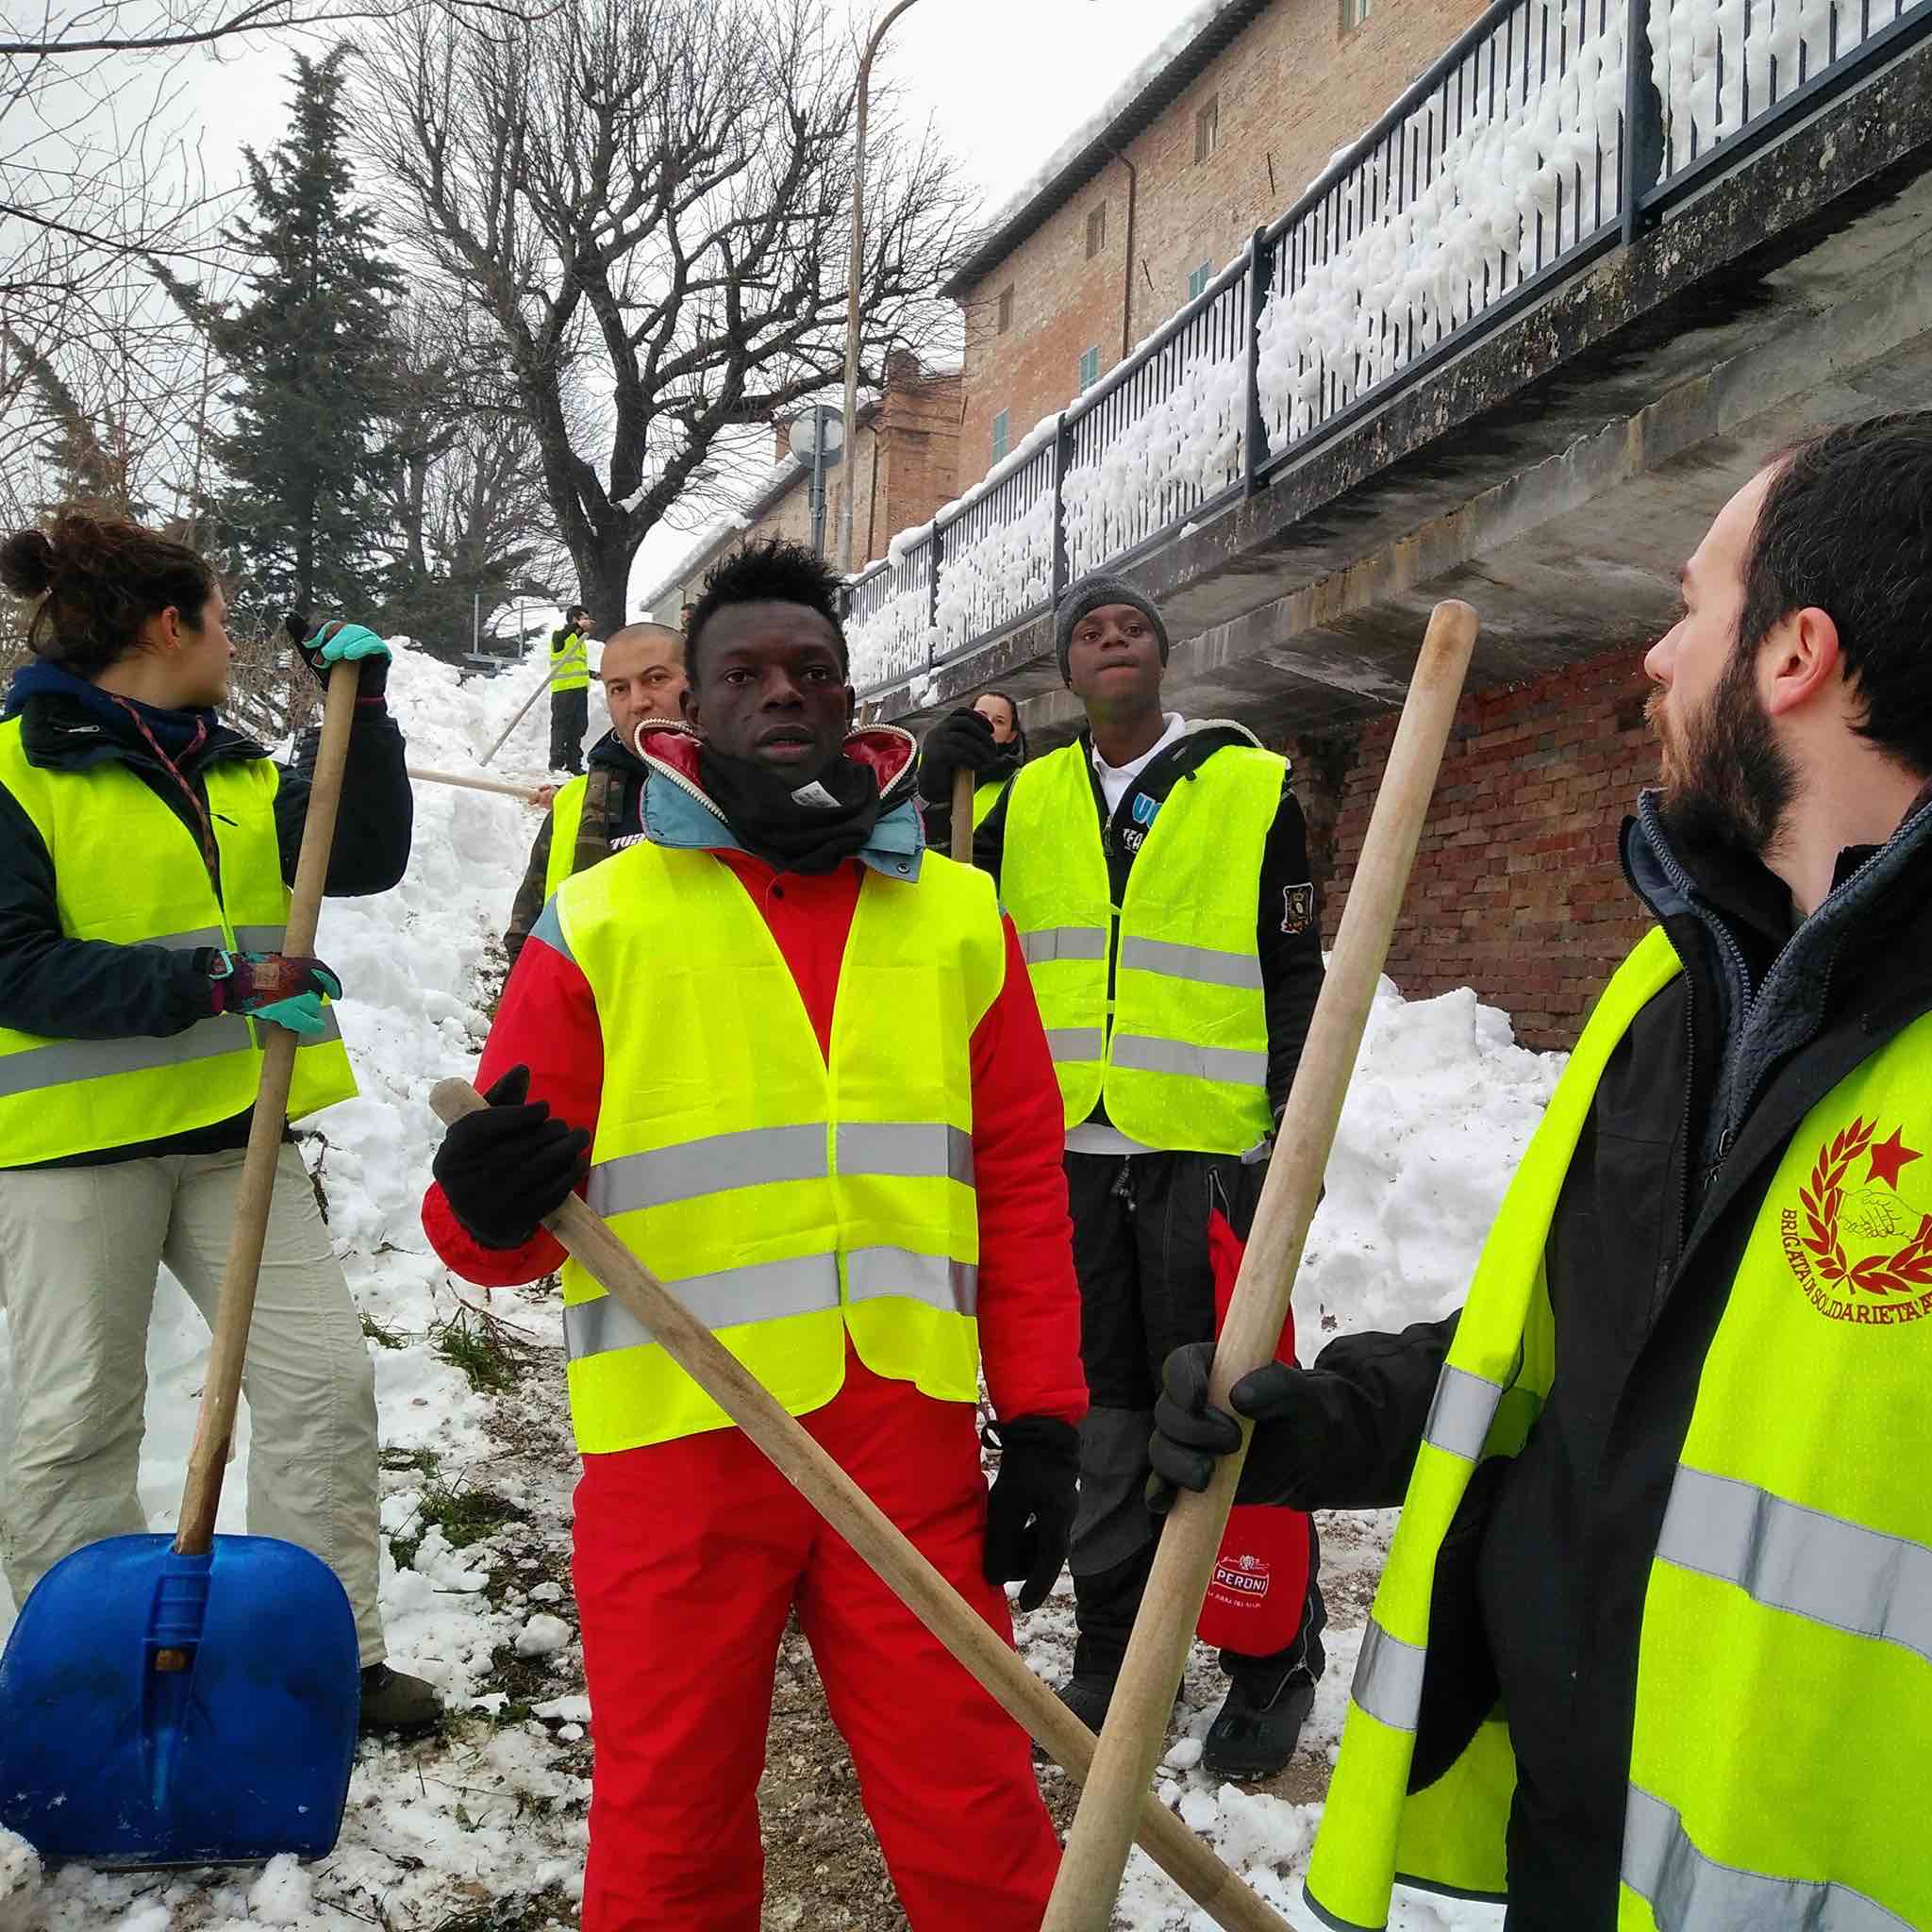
(569, 718)
(1146, 1288)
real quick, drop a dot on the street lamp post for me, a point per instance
(856, 270)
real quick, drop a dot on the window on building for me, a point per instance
(1354, 12)
(1207, 126)
(1097, 230)
(1001, 430)
(1090, 367)
(1006, 308)
(1199, 278)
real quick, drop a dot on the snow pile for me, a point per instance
(20, 1879)
(1166, 461)
(1440, 1108)
(1518, 173)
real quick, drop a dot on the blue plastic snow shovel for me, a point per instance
(194, 1701)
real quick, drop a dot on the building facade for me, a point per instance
(1145, 205)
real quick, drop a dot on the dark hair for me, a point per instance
(1846, 526)
(1013, 704)
(768, 570)
(99, 579)
(575, 612)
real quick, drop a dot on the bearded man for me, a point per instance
(1654, 1645)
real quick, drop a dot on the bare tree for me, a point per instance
(467, 515)
(648, 199)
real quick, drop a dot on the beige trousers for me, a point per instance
(79, 1250)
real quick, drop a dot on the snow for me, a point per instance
(1441, 1104)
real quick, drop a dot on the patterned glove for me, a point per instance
(328, 645)
(284, 988)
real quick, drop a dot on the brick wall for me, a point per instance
(1290, 91)
(1517, 891)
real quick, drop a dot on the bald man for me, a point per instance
(592, 817)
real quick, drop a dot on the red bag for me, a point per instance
(1254, 1604)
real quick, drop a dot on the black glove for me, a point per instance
(505, 1167)
(1284, 1402)
(961, 740)
(1029, 1516)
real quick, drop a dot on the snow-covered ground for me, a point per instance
(484, 1829)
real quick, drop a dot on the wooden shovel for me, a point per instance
(833, 1493)
(962, 816)
(1089, 1876)
(506, 787)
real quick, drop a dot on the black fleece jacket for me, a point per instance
(1539, 1593)
(71, 988)
(1287, 924)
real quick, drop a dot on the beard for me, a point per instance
(1726, 780)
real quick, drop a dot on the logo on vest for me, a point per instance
(1245, 1578)
(1860, 1250)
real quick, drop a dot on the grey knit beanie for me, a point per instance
(1089, 594)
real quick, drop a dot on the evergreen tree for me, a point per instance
(309, 349)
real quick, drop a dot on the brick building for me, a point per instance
(1241, 109)
(1518, 889)
(903, 469)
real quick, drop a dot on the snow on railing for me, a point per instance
(1720, 67)
(1510, 162)
(1501, 170)
(1151, 449)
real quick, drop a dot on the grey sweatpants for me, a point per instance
(80, 1251)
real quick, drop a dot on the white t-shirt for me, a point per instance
(1116, 781)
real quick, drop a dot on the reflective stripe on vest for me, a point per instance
(786, 1201)
(1795, 1550)
(570, 663)
(566, 815)
(1180, 1055)
(129, 872)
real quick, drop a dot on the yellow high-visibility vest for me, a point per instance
(788, 1202)
(566, 815)
(1181, 1055)
(987, 794)
(128, 871)
(570, 662)
(1785, 1666)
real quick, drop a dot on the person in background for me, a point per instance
(985, 738)
(570, 691)
(589, 818)
(1659, 1614)
(779, 968)
(145, 855)
(1158, 872)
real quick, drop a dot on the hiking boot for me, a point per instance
(392, 1702)
(1087, 1695)
(1251, 1739)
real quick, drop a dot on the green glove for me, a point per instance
(334, 643)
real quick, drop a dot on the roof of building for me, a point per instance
(1202, 32)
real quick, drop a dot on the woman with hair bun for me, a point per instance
(145, 855)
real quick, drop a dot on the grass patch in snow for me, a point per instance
(484, 1347)
(383, 1338)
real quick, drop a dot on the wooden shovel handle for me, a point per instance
(228, 1349)
(962, 816)
(506, 787)
(860, 1521)
(1090, 1876)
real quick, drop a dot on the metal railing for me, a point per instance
(1533, 145)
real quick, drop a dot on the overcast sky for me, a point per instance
(1005, 81)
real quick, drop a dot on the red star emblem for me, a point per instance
(1888, 1158)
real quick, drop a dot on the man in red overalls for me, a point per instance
(804, 1056)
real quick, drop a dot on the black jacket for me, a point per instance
(1288, 917)
(613, 816)
(1540, 1586)
(93, 990)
